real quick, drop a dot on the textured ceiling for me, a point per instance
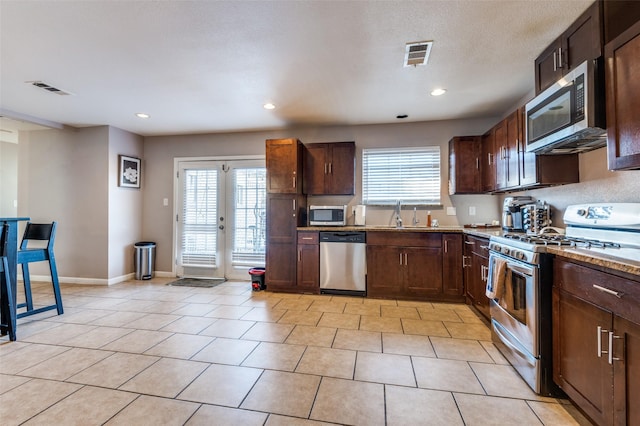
(209, 66)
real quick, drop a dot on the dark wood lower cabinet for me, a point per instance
(596, 340)
(476, 272)
(414, 265)
(308, 262)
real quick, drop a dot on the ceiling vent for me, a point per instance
(417, 53)
(49, 88)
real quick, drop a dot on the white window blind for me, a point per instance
(411, 175)
(250, 193)
(200, 218)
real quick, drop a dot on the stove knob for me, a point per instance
(581, 212)
(505, 251)
(520, 255)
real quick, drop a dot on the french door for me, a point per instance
(221, 217)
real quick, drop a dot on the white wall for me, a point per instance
(8, 179)
(124, 204)
(62, 176)
(158, 220)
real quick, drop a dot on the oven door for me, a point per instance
(515, 306)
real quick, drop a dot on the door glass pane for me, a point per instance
(551, 116)
(199, 215)
(249, 216)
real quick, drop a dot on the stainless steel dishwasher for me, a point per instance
(343, 263)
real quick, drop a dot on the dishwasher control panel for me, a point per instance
(343, 237)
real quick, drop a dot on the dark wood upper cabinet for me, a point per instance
(329, 168)
(622, 68)
(465, 165)
(488, 162)
(618, 16)
(583, 40)
(284, 166)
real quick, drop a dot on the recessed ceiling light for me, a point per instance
(438, 92)
(269, 106)
(142, 115)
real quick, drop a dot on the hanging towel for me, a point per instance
(495, 284)
(506, 299)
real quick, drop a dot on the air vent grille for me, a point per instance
(49, 88)
(417, 53)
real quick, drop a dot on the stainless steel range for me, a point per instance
(520, 281)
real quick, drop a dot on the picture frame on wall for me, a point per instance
(129, 172)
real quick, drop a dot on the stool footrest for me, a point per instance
(37, 311)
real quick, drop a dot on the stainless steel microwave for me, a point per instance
(569, 116)
(327, 215)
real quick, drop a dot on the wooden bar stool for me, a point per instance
(26, 255)
(6, 304)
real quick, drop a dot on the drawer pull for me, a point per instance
(611, 337)
(609, 291)
(307, 238)
(484, 247)
(471, 243)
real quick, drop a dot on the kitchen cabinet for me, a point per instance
(286, 210)
(580, 42)
(410, 265)
(622, 66)
(511, 167)
(488, 162)
(452, 278)
(329, 168)
(308, 262)
(476, 273)
(465, 166)
(596, 341)
(284, 166)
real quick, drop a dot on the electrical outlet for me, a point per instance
(451, 211)
(472, 211)
(165, 202)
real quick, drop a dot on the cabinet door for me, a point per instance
(423, 271)
(384, 271)
(622, 58)
(281, 241)
(586, 377)
(308, 268)
(546, 66)
(341, 169)
(488, 162)
(284, 164)
(500, 142)
(452, 264)
(480, 271)
(315, 168)
(512, 148)
(465, 172)
(626, 372)
(583, 39)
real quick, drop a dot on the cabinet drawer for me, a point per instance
(308, 237)
(478, 245)
(405, 239)
(618, 295)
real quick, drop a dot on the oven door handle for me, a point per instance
(505, 341)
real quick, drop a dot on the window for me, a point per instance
(411, 175)
(200, 217)
(250, 193)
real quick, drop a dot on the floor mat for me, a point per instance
(197, 282)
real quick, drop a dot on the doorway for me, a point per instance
(220, 217)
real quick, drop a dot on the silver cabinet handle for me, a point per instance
(600, 351)
(325, 168)
(489, 158)
(307, 238)
(400, 258)
(471, 243)
(406, 259)
(464, 261)
(610, 352)
(477, 163)
(446, 246)
(330, 168)
(555, 61)
(299, 255)
(560, 64)
(294, 181)
(608, 291)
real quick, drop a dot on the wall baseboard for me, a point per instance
(95, 281)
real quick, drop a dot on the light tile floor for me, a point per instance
(144, 353)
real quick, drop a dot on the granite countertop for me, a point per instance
(382, 228)
(599, 259)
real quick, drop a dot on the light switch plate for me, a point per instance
(451, 211)
(472, 211)
(165, 202)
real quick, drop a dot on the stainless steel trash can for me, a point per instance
(145, 260)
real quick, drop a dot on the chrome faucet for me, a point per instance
(415, 221)
(398, 218)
